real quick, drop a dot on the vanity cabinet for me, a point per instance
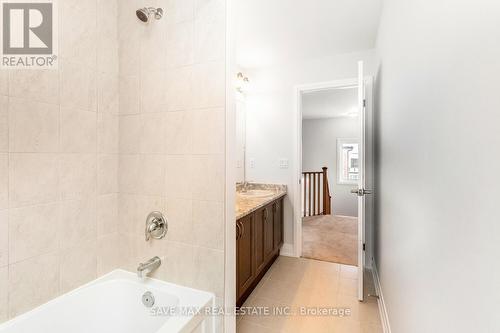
(259, 237)
(244, 252)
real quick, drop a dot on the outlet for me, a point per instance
(283, 163)
(252, 163)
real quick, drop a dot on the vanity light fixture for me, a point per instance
(241, 82)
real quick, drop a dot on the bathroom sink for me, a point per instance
(256, 194)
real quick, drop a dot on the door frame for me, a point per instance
(299, 90)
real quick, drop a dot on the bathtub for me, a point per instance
(113, 304)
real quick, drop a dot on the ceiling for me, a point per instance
(271, 31)
(331, 103)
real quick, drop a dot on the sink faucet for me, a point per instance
(244, 186)
(145, 268)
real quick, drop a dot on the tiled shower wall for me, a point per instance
(59, 161)
(172, 125)
(133, 121)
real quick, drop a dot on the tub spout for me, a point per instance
(149, 266)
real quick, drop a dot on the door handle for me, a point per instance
(360, 192)
(238, 229)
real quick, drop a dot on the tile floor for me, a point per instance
(300, 282)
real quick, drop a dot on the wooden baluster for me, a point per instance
(310, 195)
(314, 194)
(325, 190)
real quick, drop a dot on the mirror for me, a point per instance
(240, 115)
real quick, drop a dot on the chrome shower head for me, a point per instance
(145, 13)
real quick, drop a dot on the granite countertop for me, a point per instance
(256, 196)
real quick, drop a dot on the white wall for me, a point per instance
(270, 120)
(438, 137)
(319, 149)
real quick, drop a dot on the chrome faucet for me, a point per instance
(149, 266)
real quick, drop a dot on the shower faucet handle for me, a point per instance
(156, 226)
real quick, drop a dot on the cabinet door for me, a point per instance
(278, 223)
(259, 256)
(268, 231)
(244, 249)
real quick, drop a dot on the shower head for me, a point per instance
(145, 13)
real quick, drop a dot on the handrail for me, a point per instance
(316, 191)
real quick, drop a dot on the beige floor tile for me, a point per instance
(298, 282)
(248, 327)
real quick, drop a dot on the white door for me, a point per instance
(361, 190)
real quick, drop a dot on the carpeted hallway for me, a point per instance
(330, 238)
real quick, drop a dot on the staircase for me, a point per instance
(316, 193)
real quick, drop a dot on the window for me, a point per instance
(347, 161)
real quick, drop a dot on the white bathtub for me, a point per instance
(113, 304)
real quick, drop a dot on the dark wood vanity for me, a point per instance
(259, 237)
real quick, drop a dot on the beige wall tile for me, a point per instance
(33, 231)
(33, 282)
(209, 85)
(78, 222)
(208, 224)
(181, 10)
(180, 44)
(129, 95)
(179, 213)
(209, 10)
(107, 174)
(107, 214)
(78, 86)
(4, 83)
(153, 98)
(178, 132)
(111, 257)
(39, 85)
(179, 88)
(26, 187)
(179, 177)
(33, 127)
(4, 123)
(4, 180)
(209, 270)
(107, 40)
(78, 266)
(78, 36)
(78, 130)
(175, 270)
(4, 238)
(208, 177)
(4, 293)
(130, 134)
(152, 175)
(107, 133)
(108, 92)
(153, 47)
(130, 173)
(152, 138)
(107, 51)
(133, 210)
(78, 175)
(209, 37)
(209, 131)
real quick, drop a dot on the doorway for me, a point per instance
(364, 246)
(330, 170)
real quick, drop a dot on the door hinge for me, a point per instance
(364, 103)
(364, 247)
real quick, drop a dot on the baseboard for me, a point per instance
(384, 318)
(287, 250)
